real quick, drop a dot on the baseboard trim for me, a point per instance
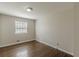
(16, 43)
(56, 47)
(46, 43)
(66, 51)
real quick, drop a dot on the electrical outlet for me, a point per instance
(18, 41)
(57, 44)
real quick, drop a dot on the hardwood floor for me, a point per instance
(31, 49)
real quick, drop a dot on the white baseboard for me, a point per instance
(14, 43)
(46, 43)
(56, 47)
(66, 51)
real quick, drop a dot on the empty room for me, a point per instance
(39, 29)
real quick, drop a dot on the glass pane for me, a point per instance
(20, 27)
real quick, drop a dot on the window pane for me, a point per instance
(20, 27)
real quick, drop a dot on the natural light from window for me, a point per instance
(20, 26)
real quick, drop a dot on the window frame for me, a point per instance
(19, 25)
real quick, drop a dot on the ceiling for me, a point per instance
(40, 9)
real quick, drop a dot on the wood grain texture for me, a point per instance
(31, 49)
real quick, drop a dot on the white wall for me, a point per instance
(8, 31)
(76, 28)
(57, 30)
(0, 31)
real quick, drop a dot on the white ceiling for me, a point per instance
(40, 9)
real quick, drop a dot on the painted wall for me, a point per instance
(8, 31)
(0, 31)
(57, 30)
(76, 30)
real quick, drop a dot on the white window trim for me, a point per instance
(22, 31)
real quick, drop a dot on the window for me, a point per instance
(20, 27)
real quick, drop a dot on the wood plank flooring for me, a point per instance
(31, 49)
